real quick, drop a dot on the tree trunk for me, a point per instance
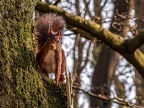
(108, 59)
(102, 76)
(139, 81)
(20, 85)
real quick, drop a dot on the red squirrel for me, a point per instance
(50, 57)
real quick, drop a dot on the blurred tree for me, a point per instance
(108, 59)
(139, 81)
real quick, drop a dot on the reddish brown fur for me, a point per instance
(50, 57)
(49, 21)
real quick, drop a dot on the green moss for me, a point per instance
(20, 85)
(56, 96)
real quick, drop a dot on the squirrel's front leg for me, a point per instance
(41, 56)
(63, 67)
(58, 58)
(40, 60)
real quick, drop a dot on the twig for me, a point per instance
(56, 2)
(69, 89)
(117, 100)
(136, 42)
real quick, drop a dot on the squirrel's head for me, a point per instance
(54, 39)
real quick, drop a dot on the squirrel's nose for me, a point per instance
(53, 46)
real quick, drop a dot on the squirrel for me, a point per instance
(50, 57)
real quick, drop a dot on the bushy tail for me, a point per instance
(49, 21)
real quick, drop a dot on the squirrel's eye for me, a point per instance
(58, 41)
(48, 39)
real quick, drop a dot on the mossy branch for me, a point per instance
(136, 42)
(114, 41)
(56, 96)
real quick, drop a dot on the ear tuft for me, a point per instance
(49, 32)
(59, 34)
(48, 39)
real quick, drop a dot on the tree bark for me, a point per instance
(139, 81)
(20, 84)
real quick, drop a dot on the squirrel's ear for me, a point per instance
(49, 32)
(59, 34)
(48, 39)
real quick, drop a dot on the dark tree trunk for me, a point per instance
(139, 81)
(102, 76)
(108, 59)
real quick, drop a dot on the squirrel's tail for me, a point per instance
(49, 21)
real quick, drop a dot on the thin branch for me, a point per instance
(56, 2)
(117, 100)
(86, 3)
(74, 55)
(69, 34)
(81, 45)
(87, 55)
(136, 42)
(82, 33)
(105, 2)
(69, 84)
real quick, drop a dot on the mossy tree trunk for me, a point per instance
(20, 84)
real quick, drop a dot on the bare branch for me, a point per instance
(87, 55)
(136, 42)
(105, 2)
(117, 100)
(82, 33)
(56, 2)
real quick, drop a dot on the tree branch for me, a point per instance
(90, 27)
(136, 42)
(117, 100)
(114, 41)
(82, 33)
(56, 2)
